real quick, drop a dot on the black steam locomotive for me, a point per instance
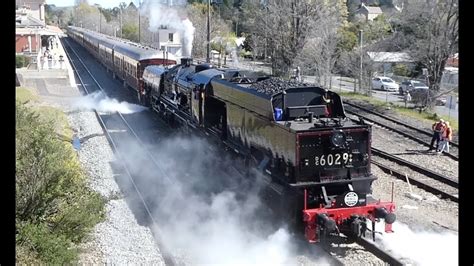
(315, 161)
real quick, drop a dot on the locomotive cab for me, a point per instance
(305, 103)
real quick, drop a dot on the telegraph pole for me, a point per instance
(100, 21)
(139, 5)
(360, 76)
(208, 58)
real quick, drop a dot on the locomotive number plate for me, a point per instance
(333, 159)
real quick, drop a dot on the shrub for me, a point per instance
(54, 206)
(401, 70)
(22, 61)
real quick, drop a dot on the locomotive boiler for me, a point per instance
(315, 162)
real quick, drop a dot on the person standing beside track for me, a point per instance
(438, 129)
(446, 137)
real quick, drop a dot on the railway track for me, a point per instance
(422, 131)
(430, 185)
(78, 64)
(400, 128)
(427, 172)
(438, 184)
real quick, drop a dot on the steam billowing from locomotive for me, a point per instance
(100, 102)
(161, 15)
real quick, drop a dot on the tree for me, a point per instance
(431, 29)
(321, 50)
(130, 31)
(197, 14)
(286, 26)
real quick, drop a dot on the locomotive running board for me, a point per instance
(313, 184)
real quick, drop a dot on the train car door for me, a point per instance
(197, 104)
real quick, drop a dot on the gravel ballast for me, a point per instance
(119, 239)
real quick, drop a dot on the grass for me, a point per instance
(424, 116)
(47, 113)
(58, 119)
(24, 95)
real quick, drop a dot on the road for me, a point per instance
(346, 84)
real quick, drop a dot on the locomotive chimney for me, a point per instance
(186, 61)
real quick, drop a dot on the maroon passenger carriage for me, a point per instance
(125, 59)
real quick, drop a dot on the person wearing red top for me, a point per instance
(446, 137)
(438, 129)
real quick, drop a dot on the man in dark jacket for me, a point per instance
(438, 129)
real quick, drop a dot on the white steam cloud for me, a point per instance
(100, 102)
(207, 213)
(422, 247)
(162, 15)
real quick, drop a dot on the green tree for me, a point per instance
(432, 31)
(130, 32)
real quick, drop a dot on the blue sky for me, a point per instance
(103, 3)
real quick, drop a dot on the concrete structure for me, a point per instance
(369, 12)
(33, 8)
(32, 35)
(384, 61)
(29, 20)
(168, 40)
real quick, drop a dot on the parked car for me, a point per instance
(410, 85)
(384, 83)
(440, 101)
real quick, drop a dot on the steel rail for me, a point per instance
(454, 157)
(419, 169)
(454, 144)
(166, 255)
(416, 182)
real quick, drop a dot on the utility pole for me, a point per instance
(121, 15)
(139, 5)
(100, 21)
(208, 58)
(360, 76)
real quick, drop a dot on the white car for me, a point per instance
(384, 83)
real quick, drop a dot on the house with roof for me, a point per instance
(369, 12)
(32, 35)
(383, 62)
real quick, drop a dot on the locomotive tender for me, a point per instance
(314, 161)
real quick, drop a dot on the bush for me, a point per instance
(55, 208)
(52, 248)
(22, 61)
(401, 70)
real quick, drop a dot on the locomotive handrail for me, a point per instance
(343, 181)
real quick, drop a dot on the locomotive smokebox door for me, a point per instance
(351, 199)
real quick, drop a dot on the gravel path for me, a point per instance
(119, 239)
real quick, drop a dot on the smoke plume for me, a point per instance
(207, 212)
(100, 102)
(162, 15)
(421, 246)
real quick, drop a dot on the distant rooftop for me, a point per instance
(372, 9)
(394, 57)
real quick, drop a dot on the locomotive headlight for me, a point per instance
(338, 139)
